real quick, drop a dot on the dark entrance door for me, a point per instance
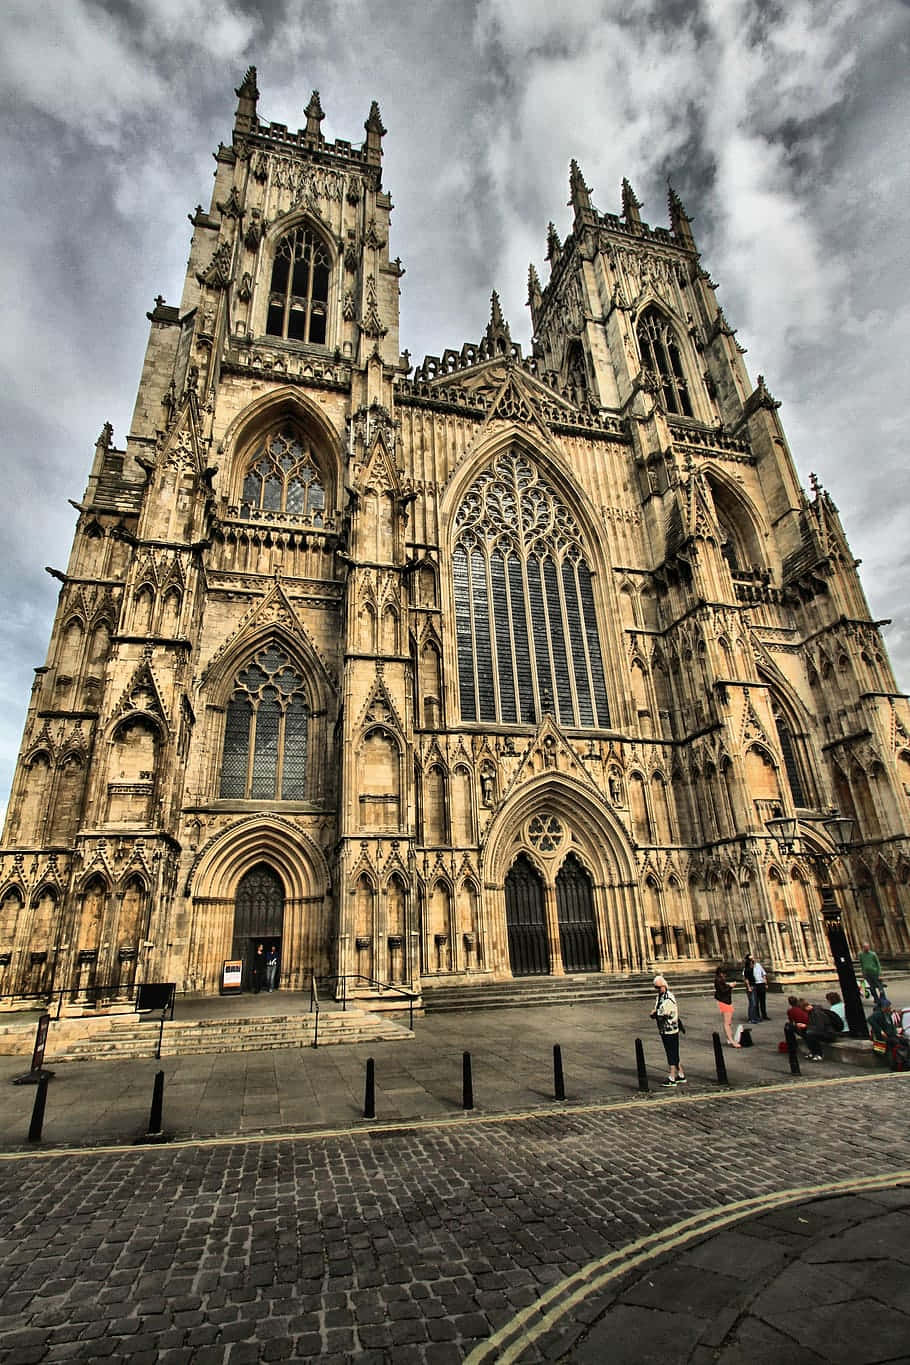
(258, 918)
(529, 954)
(575, 912)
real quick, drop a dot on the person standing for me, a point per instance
(723, 994)
(259, 968)
(271, 968)
(871, 969)
(749, 979)
(760, 991)
(666, 1015)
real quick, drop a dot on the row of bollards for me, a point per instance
(155, 1133)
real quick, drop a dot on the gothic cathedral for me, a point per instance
(494, 667)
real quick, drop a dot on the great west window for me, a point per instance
(525, 619)
(265, 735)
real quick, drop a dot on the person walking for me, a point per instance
(271, 968)
(760, 991)
(871, 969)
(723, 994)
(749, 979)
(666, 1015)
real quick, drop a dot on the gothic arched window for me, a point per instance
(791, 761)
(283, 477)
(299, 293)
(525, 619)
(265, 736)
(660, 354)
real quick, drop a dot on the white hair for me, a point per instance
(660, 982)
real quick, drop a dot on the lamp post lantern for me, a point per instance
(840, 827)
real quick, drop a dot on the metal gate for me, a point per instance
(575, 912)
(529, 954)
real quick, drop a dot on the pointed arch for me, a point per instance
(231, 853)
(744, 537)
(301, 259)
(661, 352)
(527, 635)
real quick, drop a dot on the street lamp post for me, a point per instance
(840, 827)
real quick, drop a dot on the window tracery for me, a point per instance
(526, 623)
(660, 354)
(299, 292)
(265, 735)
(283, 477)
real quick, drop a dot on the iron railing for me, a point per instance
(340, 993)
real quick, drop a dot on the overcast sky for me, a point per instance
(784, 127)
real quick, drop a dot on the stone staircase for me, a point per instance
(129, 1035)
(557, 990)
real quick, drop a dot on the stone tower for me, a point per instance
(495, 668)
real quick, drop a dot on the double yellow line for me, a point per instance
(513, 1339)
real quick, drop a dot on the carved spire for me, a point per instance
(375, 133)
(630, 205)
(554, 245)
(579, 192)
(680, 221)
(497, 333)
(245, 120)
(534, 290)
(314, 117)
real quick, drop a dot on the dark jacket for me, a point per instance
(723, 991)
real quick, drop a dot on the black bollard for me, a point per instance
(467, 1082)
(369, 1094)
(640, 1063)
(720, 1063)
(559, 1083)
(157, 1105)
(37, 1123)
(790, 1031)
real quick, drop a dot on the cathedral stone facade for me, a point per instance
(494, 667)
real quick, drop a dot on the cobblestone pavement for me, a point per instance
(413, 1243)
(298, 1089)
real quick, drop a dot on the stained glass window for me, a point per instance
(265, 734)
(298, 298)
(282, 476)
(525, 622)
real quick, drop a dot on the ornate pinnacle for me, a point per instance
(580, 193)
(374, 121)
(247, 89)
(245, 120)
(314, 115)
(534, 290)
(497, 327)
(554, 245)
(630, 203)
(679, 219)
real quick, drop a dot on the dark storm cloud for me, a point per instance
(783, 126)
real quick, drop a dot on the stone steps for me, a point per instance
(547, 990)
(123, 1036)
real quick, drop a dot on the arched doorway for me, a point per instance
(258, 921)
(575, 912)
(526, 920)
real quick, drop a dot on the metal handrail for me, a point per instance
(407, 992)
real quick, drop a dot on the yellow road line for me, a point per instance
(511, 1340)
(460, 1119)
